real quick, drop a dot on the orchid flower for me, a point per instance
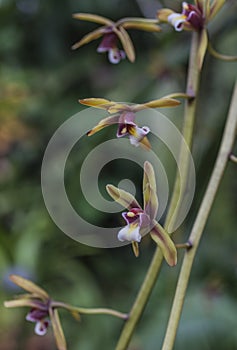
(140, 221)
(195, 18)
(113, 32)
(42, 309)
(124, 115)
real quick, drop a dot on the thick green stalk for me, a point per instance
(154, 268)
(201, 219)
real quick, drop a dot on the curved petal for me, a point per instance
(124, 198)
(163, 240)
(126, 42)
(103, 124)
(89, 37)
(149, 177)
(150, 202)
(57, 330)
(93, 18)
(150, 199)
(29, 286)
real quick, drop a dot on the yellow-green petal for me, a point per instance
(149, 177)
(159, 103)
(135, 248)
(21, 303)
(29, 286)
(103, 124)
(215, 8)
(200, 4)
(145, 143)
(97, 102)
(150, 199)
(93, 18)
(57, 330)
(163, 240)
(122, 197)
(126, 43)
(89, 37)
(149, 25)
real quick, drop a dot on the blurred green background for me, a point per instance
(41, 81)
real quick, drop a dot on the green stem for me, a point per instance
(201, 219)
(89, 311)
(220, 56)
(154, 268)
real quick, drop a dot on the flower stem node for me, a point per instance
(140, 221)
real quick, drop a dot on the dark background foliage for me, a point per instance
(41, 81)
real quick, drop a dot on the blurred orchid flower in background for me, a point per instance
(113, 33)
(124, 116)
(195, 18)
(42, 309)
(140, 221)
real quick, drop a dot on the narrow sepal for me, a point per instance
(163, 240)
(149, 176)
(145, 143)
(103, 124)
(122, 197)
(215, 8)
(126, 43)
(150, 199)
(97, 102)
(95, 34)
(92, 18)
(21, 303)
(57, 330)
(135, 248)
(159, 103)
(29, 286)
(149, 25)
